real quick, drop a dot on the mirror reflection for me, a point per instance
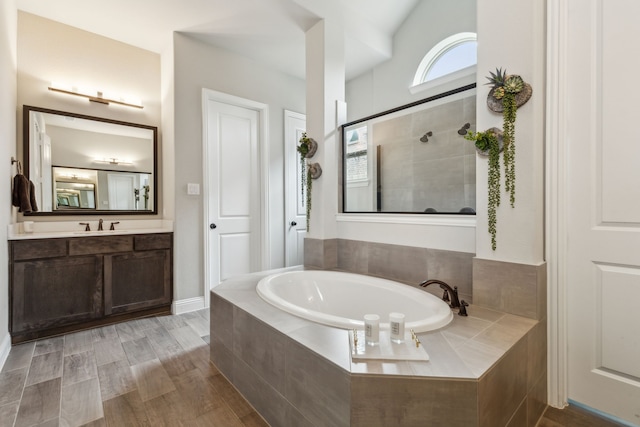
(81, 164)
(75, 195)
(413, 159)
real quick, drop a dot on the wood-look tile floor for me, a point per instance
(573, 416)
(146, 372)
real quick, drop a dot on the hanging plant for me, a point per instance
(307, 201)
(490, 143)
(507, 94)
(306, 149)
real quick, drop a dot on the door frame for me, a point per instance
(289, 200)
(263, 148)
(556, 205)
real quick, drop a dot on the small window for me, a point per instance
(452, 54)
(356, 153)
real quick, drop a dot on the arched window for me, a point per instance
(452, 54)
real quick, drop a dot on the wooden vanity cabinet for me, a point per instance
(139, 279)
(60, 285)
(56, 292)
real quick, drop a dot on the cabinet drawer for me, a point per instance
(35, 249)
(145, 242)
(100, 245)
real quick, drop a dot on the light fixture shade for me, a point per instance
(96, 95)
(114, 161)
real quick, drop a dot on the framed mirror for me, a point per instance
(89, 165)
(414, 158)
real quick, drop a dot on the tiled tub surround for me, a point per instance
(487, 370)
(510, 287)
(405, 264)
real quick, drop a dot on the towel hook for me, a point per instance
(14, 160)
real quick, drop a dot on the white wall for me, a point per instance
(8, 24)
(517, 44)
(197, 66)
(49, 51)
(387, 86)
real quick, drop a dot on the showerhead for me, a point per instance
(425, 137)
(463, 129)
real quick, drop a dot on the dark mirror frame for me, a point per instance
(26, 151)
(384, 113)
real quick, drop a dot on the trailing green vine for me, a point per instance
(308, 198)
(305, 173)
(505, 89)
(509, 113)
(303, 149)
(487, 142)
(507, 94)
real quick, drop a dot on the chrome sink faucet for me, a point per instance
(100, 224)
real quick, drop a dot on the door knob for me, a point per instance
(293, 223)
(212, 226)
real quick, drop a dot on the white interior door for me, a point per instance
(46, 184)
(295, 211)
(233, 190)
(121, 191)
(603, 207)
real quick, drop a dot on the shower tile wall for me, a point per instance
(437, 174)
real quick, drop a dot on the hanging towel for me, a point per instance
(32, 197)
(23, 196)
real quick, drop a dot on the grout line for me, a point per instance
(24, 384)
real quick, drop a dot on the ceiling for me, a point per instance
(271, 31)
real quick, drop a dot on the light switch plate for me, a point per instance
(193, 189)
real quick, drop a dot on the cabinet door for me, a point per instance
(55, 292)
(138, 280)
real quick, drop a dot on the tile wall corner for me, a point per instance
(321, 253)
(519, 289)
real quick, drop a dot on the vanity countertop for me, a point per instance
(61, 229)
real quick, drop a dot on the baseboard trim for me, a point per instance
(601, 414)
(5, 348)
(188, 305)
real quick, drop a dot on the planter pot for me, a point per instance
(499, 134)
(314, 170)
(522, 97)
(313, 147)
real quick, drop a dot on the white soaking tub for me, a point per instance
(342, 299)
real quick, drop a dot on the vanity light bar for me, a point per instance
(114, 161)
(95, 96)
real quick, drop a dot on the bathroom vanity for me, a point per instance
(63, 284)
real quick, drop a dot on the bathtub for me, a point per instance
(342, 299)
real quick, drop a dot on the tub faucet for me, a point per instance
(448, 291)
(100, 224)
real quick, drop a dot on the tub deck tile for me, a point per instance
(319, 373)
